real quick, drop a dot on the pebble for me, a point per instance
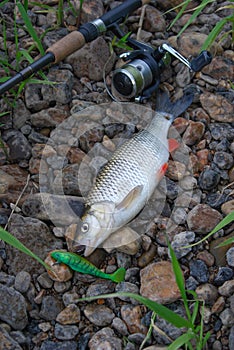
(193, 133)
(175, 170)
(13, 308)
(230, 257)
(227, 289)
(227, 207)
(158, 282)
(127, 287)
(65, 332)
(45, 281)
(22, 281)
(147, 256)
(154, 21)
(70, 298)
(51, 306)
(69, 315)
(224, 274)
(227, 317)
(218, 107)
(202, 219)
(119, 326)
(132, 316)
(36, 236)
(199, 271)
(207, 257)
(191, 283)
(19, 147)
(105, 339)
(207, 292)
(99, 315)
(7, 342)
(99, 288)
(57, 345)
(208, 179)
(58, 272)
(219, 305)
(181, 240)
(219, 131)
(223, 160)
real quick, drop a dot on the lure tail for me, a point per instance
(164, 104)
(118, 275)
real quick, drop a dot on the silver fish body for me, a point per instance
(126, 183)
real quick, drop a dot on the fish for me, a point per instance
(127, 181)
(82, 265)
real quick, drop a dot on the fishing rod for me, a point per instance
(76, 40)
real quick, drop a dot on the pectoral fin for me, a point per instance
(173, 145)
(162, 170)
(131, 197)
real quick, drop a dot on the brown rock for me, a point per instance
(59, 272)
(200, 115)
(132, 316)
(203, 158)
(180, 124)
(228, 207)
(220, 68)
(147, 256)
(218, 305)
(49, 117)
(158, 283)
(206, 257)
(231, 174)
(218, 107)
(193, 133)
(176, 170)
(154, 21)
(69, 315)
(207, 292)
(202, 218)
(90, 60)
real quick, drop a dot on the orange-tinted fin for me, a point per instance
(173, 145)
(162, 170)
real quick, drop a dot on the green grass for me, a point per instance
(217, 28)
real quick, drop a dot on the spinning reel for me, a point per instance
(140, 76)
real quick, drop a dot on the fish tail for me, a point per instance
(118, 275)
(164, 104)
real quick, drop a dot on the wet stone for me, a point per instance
(202, 218)
(65, 332)
(224, 274)
(13, 308)
(208, 179)
(100, 315)
(199, 271)
(230, 257)
(105, 339)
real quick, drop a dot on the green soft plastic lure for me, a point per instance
(80, 264)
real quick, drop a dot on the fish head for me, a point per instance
(95, 226)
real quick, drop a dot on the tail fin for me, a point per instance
(164, 104)
(118, 275)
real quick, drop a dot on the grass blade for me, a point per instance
(180, 13)
(161, 310)
(214, 33)
(30, 28)
(14, 242)
(3, 3)
(183, 339)
(227, 242)
(227, 220)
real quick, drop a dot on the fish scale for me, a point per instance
(132, 162)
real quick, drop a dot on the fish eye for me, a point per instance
(85, 227)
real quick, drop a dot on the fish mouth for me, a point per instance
(89, 250)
